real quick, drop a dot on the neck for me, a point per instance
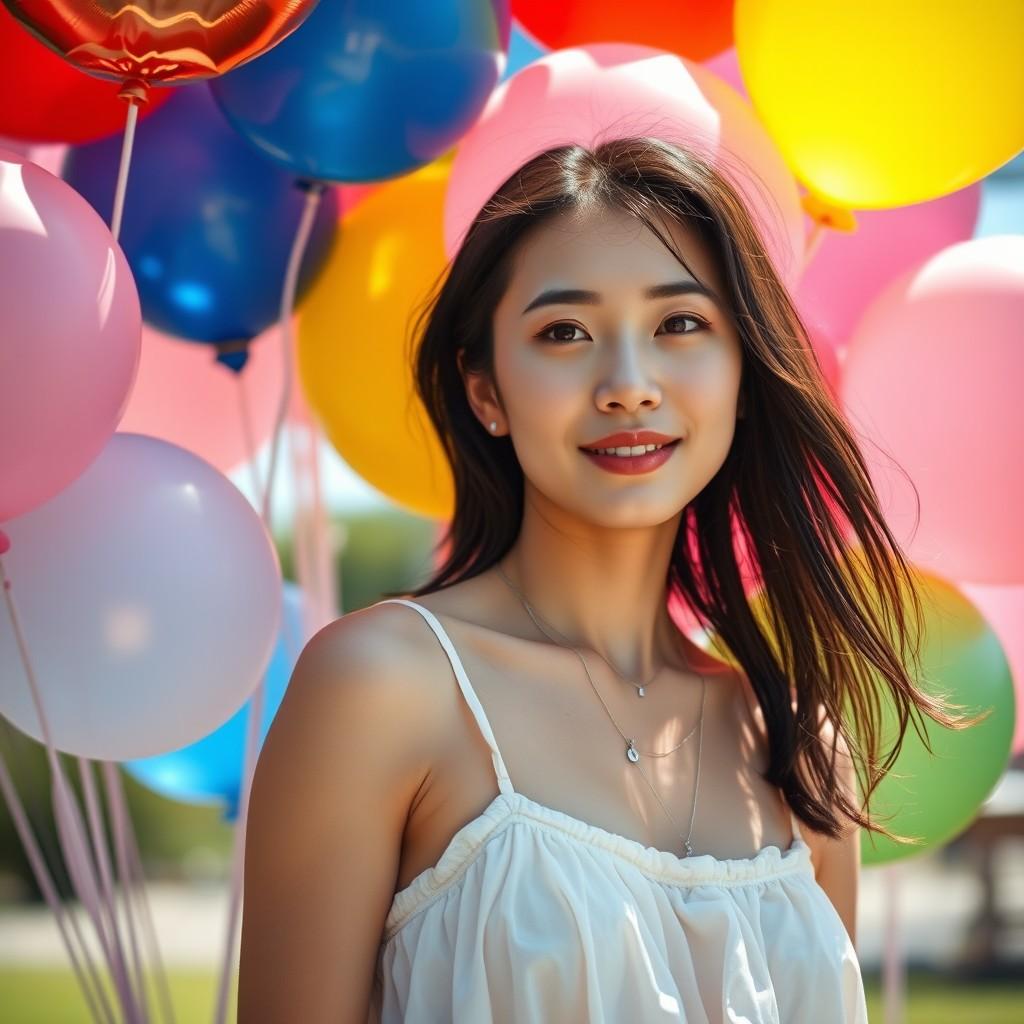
(602, 590)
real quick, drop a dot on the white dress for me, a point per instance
(532, 915)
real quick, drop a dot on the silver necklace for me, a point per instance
(639, 689)
(632, 754)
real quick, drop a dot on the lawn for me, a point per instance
(30, 996)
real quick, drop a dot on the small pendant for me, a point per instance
(689, 849)
(640, 691)
(632, 753)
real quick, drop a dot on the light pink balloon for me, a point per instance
(183, 395)
(933, 375)
(848, 270)
(70, 330)
(149, 593)
(1003, 608)
(609, 90)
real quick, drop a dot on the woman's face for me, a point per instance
(572, 369)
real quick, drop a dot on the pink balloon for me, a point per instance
(609, 90)
(1003, 608)
(185, 396)
(70, 332)
(933, 376)
(149, 593)
(849, 269)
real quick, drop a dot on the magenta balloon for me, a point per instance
(610, 90)
(149, 592)
(933, 375)
(1003, 609)
(70, 333)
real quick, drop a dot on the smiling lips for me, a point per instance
(630, 439)
(632, 464)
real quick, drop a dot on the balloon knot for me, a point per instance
(821, 211)
(134, 90)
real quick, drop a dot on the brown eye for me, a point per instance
(676, 317)
(563, 326)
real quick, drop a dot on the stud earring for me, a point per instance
(494, 426)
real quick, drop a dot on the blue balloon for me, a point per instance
(522, 50)
(210, 769)
(208, 224)
(366, 90)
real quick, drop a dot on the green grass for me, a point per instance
(33, 996)
(48, 996)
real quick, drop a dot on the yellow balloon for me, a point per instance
(877, 104)
(354, 347)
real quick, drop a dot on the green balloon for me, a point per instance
(934, 797)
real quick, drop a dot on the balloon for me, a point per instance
(69, 335)
(208, 225)
(932, 377)
(1003, 608)
(55, 101)
(935, 797)
(387, 255)
(692, 28)
(210, 770)
(150, 596)
(849, 269)
(370, 89)
(604, 91)
(160, 40)
(939, 105)
(185, 396)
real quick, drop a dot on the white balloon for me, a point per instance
(149, 593)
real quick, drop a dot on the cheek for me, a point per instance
(708, 382)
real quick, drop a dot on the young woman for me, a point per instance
(526, 795)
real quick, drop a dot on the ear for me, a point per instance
(482, 396)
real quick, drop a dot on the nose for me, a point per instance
(627, 385)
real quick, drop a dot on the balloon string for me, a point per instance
(127, 145)
(249, 436)
(814, 239)
(106, 887)
(70, 830)
(314, 192)
(129, 864)
(37, 862)
(893, 986)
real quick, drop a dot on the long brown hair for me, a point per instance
(794, 482)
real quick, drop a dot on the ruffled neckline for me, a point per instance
(506, 809)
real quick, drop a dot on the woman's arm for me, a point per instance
(347, 751)
(838, 870)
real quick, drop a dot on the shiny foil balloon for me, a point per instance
(160, 41)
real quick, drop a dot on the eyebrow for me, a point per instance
(581, 296)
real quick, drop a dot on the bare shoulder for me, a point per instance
(354, 739)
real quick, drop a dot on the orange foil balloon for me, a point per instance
(160, 41)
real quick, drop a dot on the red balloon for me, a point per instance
(49, 100)
(160, 40)
(697, 29)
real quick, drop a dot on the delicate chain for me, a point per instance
(632, 745)
(639, 689)
(632, 754)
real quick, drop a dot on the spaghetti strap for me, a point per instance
(500, 771)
